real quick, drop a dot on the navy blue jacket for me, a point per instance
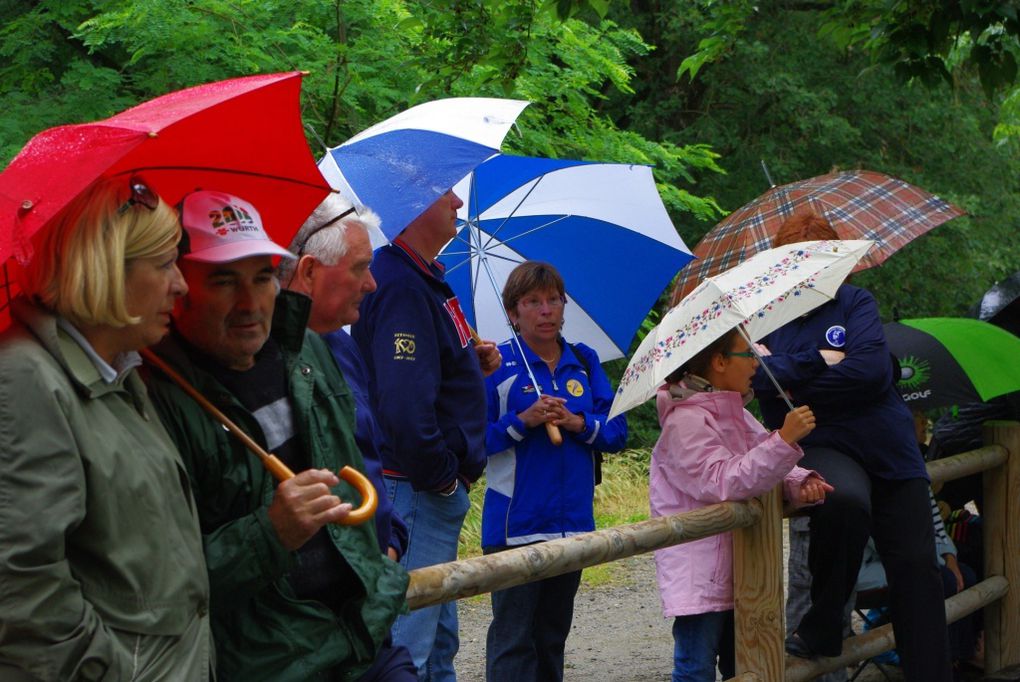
(858, 409)
(427, 391)
(390, 528)
(537, 490)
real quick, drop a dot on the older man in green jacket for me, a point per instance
(294, 596)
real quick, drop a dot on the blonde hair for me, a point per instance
(81, 259)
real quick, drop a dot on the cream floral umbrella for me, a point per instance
(758, 296)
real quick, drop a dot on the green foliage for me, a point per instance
(923, 40)
(723, 22)
(72, 61)
(806, 104)
(1007, 130)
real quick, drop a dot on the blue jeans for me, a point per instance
(697, 641)
(529, 629)
(433, 528)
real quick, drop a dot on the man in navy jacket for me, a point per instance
(429, 399)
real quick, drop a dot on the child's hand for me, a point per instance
(799, 422)
(812, 491)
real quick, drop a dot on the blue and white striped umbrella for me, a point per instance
(400, 166)
(602, 225)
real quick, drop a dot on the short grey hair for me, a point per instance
(327, 242)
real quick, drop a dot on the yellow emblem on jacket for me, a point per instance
(575, 388)
(403, 346)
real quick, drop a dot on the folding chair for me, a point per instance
(864, 601)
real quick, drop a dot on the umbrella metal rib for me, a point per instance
(492, 236)
(226, 171)
(761, 362)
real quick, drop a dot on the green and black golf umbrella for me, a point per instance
(947, 361)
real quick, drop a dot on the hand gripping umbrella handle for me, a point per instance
(551, 429)
(279, 470)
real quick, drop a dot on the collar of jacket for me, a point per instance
(567, 355)
(290, 317)
(693, 384)
(434, 270)
(69, 355)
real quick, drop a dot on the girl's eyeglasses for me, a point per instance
(141, 195)
(744, 354)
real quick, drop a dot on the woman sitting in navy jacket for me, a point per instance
(836, 359)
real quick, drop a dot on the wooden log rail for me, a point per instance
(758, 570)
(468, 577)
(874, 642)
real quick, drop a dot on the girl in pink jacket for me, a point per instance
(712, 450)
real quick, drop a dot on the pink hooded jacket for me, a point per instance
(711, 450)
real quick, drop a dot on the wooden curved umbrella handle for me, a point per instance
(279, 470)
(369, 497)
(554, 433)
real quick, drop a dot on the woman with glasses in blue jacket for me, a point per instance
(538, 490)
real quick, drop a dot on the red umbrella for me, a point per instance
(859, 205)
(241, 136)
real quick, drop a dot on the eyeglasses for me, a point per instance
(320, 228)
(535, 303)
(141, 195)
(744, 354)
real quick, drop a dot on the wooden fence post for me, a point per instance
(1001, 528)
(758, 592)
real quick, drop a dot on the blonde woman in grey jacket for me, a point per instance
(101, 567)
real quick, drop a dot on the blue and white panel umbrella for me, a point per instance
(603, 226)
(400, 166)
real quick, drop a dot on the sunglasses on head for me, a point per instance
(141, 195)
(320, 228)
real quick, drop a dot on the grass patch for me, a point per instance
(621, 498)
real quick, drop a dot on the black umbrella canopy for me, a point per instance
(930, 377)
(953, 361)
(1000, 305)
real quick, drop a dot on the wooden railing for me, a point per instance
(758, 566)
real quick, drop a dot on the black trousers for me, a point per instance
(898, 515)
(528, 633)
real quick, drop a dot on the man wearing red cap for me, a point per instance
(294, 596)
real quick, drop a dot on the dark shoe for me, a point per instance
(795, 646)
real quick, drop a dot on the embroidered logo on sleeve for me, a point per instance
(836, 336)
(403, 346)
(452, 306)
(575, 388)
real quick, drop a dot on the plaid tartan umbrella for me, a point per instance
(859, 204)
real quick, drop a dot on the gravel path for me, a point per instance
(618, 633)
